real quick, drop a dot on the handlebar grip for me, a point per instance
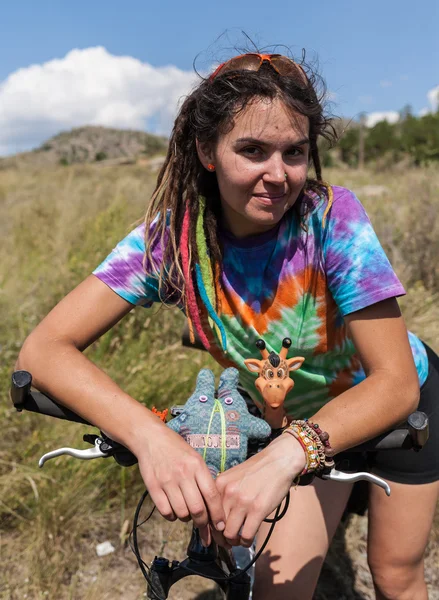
(25, 399)
(414, 435)
(20, 388)
(417, 424)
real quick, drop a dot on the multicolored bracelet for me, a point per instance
(315, 444)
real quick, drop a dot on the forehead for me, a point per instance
(270, 121)
(282, 365)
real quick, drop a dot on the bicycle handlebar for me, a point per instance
(414, 434)
(24, 398)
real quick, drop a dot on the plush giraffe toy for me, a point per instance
(274, 381)
(219, 428)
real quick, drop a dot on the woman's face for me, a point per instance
(261, 166)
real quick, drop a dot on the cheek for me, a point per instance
(299, 173)
(237, 174)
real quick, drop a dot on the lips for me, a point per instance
(270, 198)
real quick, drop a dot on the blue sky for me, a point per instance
(376, 56)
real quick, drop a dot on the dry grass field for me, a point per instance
(56, 225)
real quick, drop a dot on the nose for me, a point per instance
(274, 170)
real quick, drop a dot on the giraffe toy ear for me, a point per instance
(295, 363)
(254, 365)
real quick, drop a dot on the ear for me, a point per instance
(205, 381)
(295, 363)
(254, 365)
(229, 379)
(205, 153)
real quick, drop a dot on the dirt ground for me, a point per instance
(345, 575)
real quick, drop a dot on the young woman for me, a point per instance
(242, 238)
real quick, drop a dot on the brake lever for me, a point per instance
(87, 454)
(342, 477)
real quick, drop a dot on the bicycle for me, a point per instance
(213, 562)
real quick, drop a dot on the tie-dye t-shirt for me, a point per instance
(289, 282)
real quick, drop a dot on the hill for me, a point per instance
(87, 145)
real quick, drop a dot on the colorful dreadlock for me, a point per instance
(204, 278)
(191, 301)
(330, 201)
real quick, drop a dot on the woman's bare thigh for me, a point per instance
(399, 528)
(291, 562)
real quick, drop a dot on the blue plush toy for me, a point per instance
(219, 429)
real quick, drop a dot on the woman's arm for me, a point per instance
(53, 355)
(390, 391)
(385, 398)
(176, 476)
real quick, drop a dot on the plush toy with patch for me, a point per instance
(219, 428)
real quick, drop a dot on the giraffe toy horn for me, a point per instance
(286, 343)
(260, 344)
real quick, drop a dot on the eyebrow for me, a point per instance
(250, 140)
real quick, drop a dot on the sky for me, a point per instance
(127, 65)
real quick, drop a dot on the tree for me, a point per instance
(348, 145)
(381, 139)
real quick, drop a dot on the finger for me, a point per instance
(162, 504)
(195, 503)
(219, 538)
(249, 530)
(177, 502)
(235, 521)
(212, 499)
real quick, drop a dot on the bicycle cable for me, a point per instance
(142, 565)
(146, 570)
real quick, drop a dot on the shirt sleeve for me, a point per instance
(357, 269)
(123, 270)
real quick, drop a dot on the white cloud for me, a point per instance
(88, 87)
(385, 83)
(373, 118)
(433, 98)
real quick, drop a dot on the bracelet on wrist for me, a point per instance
(315, 444)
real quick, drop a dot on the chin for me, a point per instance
(268, 218)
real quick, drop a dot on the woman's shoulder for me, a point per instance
(336, 203)
(135, 239)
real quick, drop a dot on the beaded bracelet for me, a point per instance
(311, 445)
(316, 446)
(323, 435)
(328, 463)
(309, 449)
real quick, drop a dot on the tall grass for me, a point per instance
(55, 227)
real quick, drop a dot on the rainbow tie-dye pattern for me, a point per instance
(292, 283)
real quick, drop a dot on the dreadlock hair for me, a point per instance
(185, 206)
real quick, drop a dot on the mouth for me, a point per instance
(270, 199)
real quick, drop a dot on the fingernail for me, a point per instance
(221, 526)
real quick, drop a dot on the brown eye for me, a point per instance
(280, 373)
(270, 374)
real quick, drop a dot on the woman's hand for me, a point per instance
(179, 482)
(253, 489)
